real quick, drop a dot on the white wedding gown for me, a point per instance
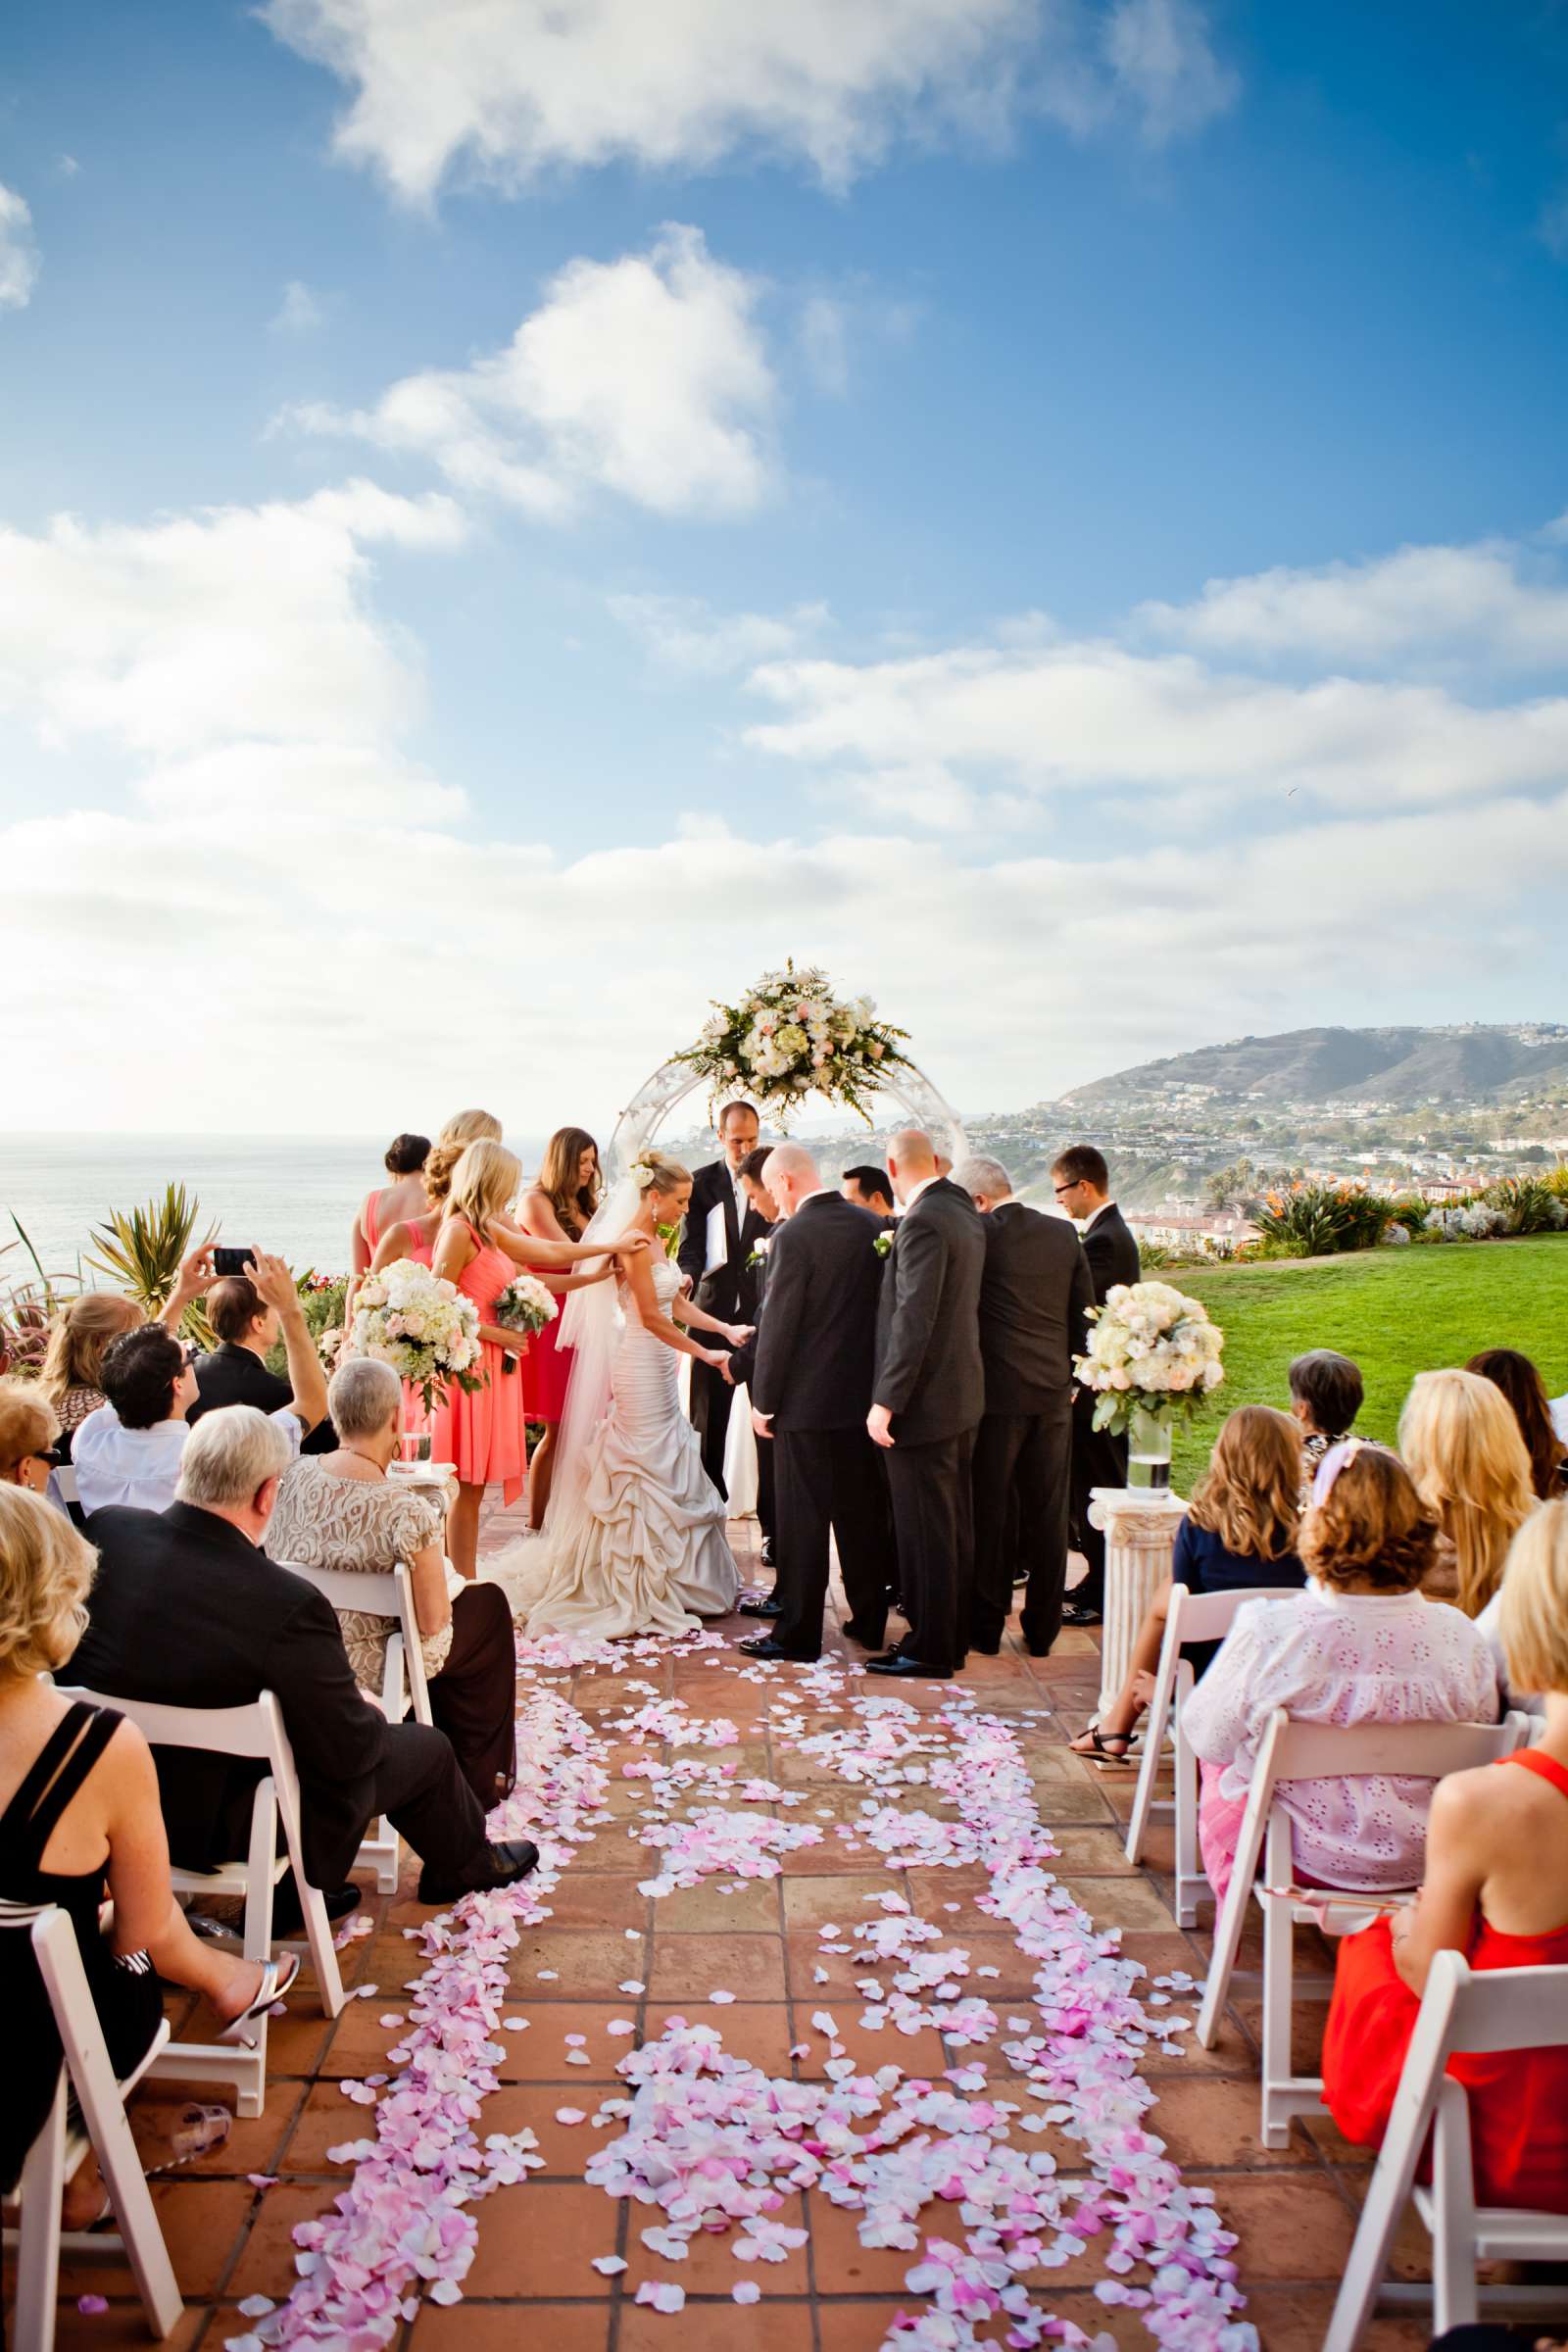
(643, 1549)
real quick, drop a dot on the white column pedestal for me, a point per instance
(1139, 1525)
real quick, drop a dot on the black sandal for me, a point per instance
(1100, 1750)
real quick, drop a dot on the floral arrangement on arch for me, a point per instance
(790, 1036)
(1151, 1349)
(424, 1328)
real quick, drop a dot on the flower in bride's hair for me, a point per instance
(642, 1175)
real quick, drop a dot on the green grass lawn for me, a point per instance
(1397, 1312)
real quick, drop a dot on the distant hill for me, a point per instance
(1403, 1067)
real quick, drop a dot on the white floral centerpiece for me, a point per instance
(1153, 1354)
(424, 1328)
(791, 1036)
(524, 1305)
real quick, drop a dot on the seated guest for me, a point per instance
(343, 1512)
(1461, 1445)
(869, 1187)
(1326, 1395)
(1495, 1888)
(79, 1818)
(188, 1612)
(1525, 1392)
(29, 1435)
(402, 1195)
(128, 1451)
(1240, 1531)
(85, 1326)
(1359, 1646)
(249, 1314)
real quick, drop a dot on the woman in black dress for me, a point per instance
(79, 1818)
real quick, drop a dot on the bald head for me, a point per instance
(793, 1176)
(911, 1161)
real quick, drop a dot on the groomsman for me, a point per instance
(869, 1187)
(721, 1231)
(929, 1395)
(1033, 1300)
(1082, 1184)
(816, 1353)
(741, 1369)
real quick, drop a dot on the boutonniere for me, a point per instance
(760, 1250)
(883, 1244)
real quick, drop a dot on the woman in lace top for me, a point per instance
(1359, 1646)
(343, 1512)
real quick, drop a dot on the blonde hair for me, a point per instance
(668, 1175)
(46, 1570)
(28, 1424)
(485, 1182)
(78, 1337)
(465, 1127)
(1534, 1616)
(1251, 1494)
(1461, 1442)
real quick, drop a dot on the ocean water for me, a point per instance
(296, 1195)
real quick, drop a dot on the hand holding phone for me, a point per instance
(232, 1262)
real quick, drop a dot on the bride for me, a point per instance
(634, 1539)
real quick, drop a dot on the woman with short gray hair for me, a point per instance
(343, 1512)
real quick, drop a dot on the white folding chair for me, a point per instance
(404, 1689)
(63, 1486)
(60, 2150)
(1317, 1751)
(1192, 1617)
(1499, 2009)
(253, 1730)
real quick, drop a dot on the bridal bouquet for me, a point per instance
(424, 1328)
(525, 1305)
(1151, 1351)
(791, 1036)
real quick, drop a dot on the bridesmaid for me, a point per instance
(482, 1431)
(402, 1195)
(555, 1208)
(415, 1236)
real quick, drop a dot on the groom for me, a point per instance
(721, 1231)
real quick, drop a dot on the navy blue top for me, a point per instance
(1202, 1563)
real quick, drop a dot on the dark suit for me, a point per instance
(1033, 1300)
(743, 1367)
(186, 1612)
(815, 1358)
(930, 1376)
(1099, 1455)
(235, 1375)
(729, 1293)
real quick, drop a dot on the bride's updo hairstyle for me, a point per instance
(664, 1176)
(468, 1127)
(485, 1182)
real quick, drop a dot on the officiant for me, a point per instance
(721, 1234)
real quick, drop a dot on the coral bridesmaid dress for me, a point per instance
(482, 1432)
(547, 1366)
(1518, 2098)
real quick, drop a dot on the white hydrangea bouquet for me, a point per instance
(524, 1305)
(424, 1328)
(791, 1036)
(1153, 1354)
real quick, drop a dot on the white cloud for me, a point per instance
(646, 376)
(19, 252)
(230, 623)
(300, 312)
(510, 89)
(1488, 603)
(683, 634)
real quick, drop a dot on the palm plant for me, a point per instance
(141, 1249)
(27, 1307)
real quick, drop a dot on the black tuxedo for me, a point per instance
(1100, 1455)
(1034, 1295)
(815, 1360)
(930, 1376)
(743, 1367)
(235, 1375)
(186, 1612)
(729, 1293)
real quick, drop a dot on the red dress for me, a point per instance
(547, 1368)
(482, 1431)
(1518, 2098)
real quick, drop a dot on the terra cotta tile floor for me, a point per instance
(531, 2282)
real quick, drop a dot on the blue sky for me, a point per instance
(866, 622)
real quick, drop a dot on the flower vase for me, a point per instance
(415, 1447)
(1148, 1435)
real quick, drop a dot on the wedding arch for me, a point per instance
(788, 1039)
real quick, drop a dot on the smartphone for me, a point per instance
(232, 1262)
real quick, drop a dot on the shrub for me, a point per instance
(1321, 1219)
(1527, 1204)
